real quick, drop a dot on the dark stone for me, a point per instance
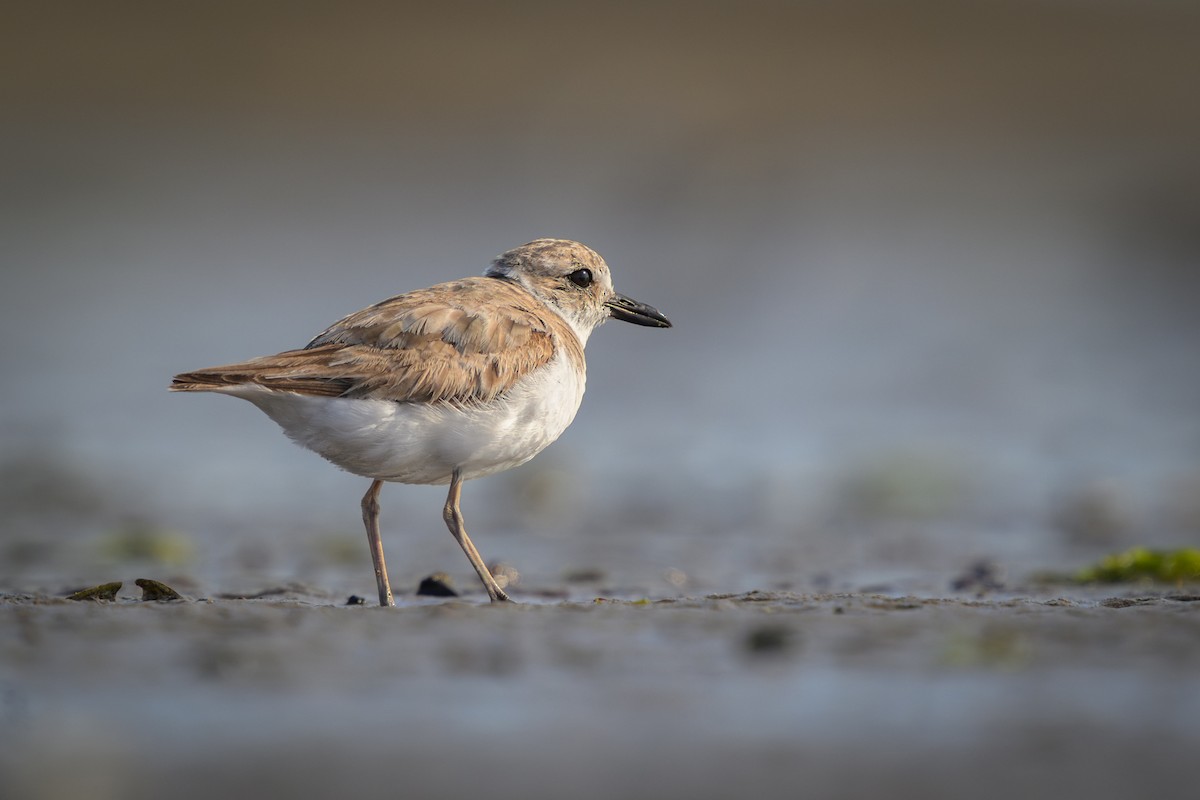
(768, 639)
(982, 576)
(437, 585)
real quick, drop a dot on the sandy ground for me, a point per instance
(1052, 692)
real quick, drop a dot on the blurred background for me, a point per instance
(932, 268)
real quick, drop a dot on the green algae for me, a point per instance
(1142, 564)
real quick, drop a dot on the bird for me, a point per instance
(442, 385)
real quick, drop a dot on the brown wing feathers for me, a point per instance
(427, 346)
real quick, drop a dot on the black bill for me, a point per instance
(627, 310)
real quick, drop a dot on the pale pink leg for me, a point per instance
(454, 521)
(370, 511)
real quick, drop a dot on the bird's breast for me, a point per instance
(425, 442)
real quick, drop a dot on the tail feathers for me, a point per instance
(261, 374)
(201, 382)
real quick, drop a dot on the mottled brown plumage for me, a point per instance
(428, 346)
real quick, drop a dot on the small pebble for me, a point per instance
(982, 576)
(355, 600)
(768, 640)
(437, 585)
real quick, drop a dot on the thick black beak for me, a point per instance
(627, 310)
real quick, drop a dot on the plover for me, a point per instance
(441, 385)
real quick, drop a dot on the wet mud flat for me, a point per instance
(1075, 692)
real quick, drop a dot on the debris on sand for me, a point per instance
(982, 576)
(105, 591)
(154, 590)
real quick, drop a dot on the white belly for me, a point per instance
(420, 443)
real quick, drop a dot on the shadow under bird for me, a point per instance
(441, 385)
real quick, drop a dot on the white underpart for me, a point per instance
(423, 443)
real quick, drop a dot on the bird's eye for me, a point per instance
(581, 278)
